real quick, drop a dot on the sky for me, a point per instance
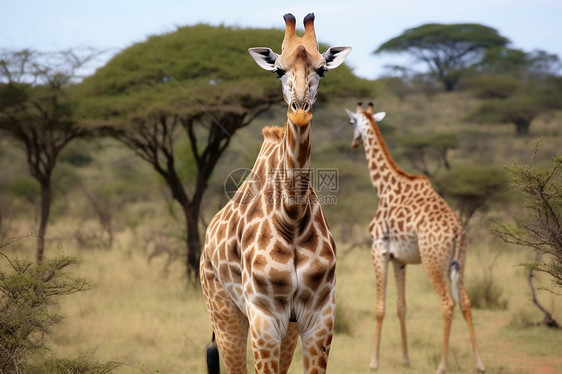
(362, 24)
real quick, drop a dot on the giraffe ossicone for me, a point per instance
(412, 225)
(268, 266)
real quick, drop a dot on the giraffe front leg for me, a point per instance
(266, 343)
(288, 345)
(317, 340)
(380, 260)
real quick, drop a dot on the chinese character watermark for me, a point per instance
(284, 185)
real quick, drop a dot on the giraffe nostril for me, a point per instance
(306, 106)
(294, 106)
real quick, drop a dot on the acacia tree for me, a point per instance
(429, 153)
(196, 85)
(502, 60)
(541, 230)
(471, 187)
(446, 49)
(519, 110)
(37, 112)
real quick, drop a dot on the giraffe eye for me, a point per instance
(279, 72)
(321, 71)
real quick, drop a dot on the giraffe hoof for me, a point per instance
(406, 361)
(374, 366)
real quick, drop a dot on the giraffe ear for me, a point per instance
(377, 117)
(350, 114)
(264, 57)
(334, 56)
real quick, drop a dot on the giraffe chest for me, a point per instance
(395, 235)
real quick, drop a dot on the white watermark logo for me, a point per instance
(289, 186)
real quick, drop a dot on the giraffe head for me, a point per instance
(362, 121)
(300, 66)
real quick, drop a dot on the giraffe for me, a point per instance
(412, 225)
(268, 265)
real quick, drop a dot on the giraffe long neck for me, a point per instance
(294, 173)
(383, 170)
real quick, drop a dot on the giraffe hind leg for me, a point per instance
(230, 325)
(400, 276)
(467, 314)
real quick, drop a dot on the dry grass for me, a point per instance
(157, 323)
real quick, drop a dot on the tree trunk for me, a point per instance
(522, 128)
(548, 320)
(44, 218)
(193, 240)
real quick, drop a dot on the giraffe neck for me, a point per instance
(383, 170)
(293, 170)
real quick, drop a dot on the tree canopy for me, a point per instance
(446, 49)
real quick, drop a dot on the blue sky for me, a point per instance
(361, 24)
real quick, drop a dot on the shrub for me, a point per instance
(493, 87)
(485, 293)
(84, 364)
(28, 293)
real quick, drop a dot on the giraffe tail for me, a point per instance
(454, 273)
(213, 365)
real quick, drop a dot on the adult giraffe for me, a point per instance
(269, 258)
(412, 225)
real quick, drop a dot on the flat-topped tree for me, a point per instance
(446, 49)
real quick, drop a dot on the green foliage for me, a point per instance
(472, 186)
(84, 364)
(28, 294)
(191, 68)
(519, 110)
(502, 60)
(515, 62)
(541, 229)
(76, 157)
(492, 87)
(446, 49)
(25, 188)
(484, 292)
(428, 153)
(549, 95)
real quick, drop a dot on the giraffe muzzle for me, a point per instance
(300, 112)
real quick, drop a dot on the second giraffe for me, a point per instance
(412, 225)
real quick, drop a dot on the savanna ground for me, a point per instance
(142, 311)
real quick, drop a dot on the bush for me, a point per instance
(28, 293)
(485, 293)
(493, 87)
(81, 365)
(471, 187)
